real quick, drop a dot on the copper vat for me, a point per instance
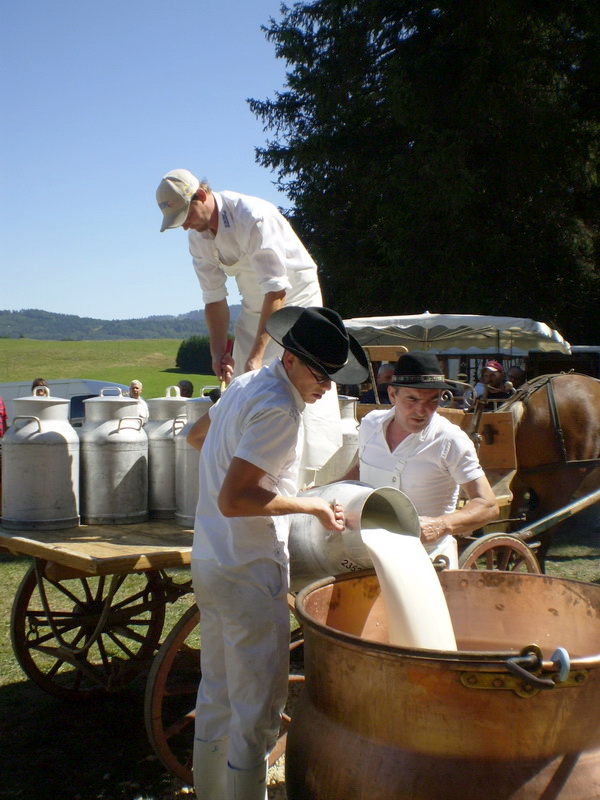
(380, 722)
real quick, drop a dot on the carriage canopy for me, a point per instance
(459, 333)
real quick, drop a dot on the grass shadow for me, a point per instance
(96, 750)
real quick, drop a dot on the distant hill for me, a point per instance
(32, 323)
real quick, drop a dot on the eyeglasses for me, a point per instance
(319, 379)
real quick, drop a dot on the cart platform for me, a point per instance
(105, 549)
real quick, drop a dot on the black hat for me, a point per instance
(418, 370)
(318, 337)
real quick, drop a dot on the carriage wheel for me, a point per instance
(171, 695)
(499, 551)
(82, 636)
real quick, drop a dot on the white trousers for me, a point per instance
(245, 638)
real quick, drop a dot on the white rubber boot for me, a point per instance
(210, 769)
(247, 784)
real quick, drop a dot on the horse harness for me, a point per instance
(523, 395)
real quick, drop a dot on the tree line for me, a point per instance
(38, 324)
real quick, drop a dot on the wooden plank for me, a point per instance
(497, 449)
(106, 549)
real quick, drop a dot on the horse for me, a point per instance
(557, 440)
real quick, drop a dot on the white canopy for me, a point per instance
(458, 333)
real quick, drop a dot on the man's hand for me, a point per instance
(223, 367)
(432, 529)
(330, 515)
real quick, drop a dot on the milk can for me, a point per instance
(316, 552)
(40, 486)
(167, 416)
(114, 461)
(341, 461)
(186, 465)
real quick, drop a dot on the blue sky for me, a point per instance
(98, 101)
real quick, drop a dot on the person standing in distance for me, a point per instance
(135, 391)
(249, 443)
(236, 235)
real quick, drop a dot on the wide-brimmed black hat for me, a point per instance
(319, 338)
(418, 370)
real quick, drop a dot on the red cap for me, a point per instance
(494, 366)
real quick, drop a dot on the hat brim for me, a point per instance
(441, 385)
(174, 220)
(355, 370)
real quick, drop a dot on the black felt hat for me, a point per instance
(319, 338)
(419, 370)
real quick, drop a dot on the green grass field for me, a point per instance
(151, 361)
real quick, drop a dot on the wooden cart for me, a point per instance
(88, 615)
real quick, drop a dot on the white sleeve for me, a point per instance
(211, 277)
(264, 241)
(269, 439)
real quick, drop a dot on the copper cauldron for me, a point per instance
(515, 713)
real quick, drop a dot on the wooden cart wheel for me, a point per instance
(171, 695)
(86, 635)
(499, 551)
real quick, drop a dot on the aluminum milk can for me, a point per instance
(186, 465)
(316, 552)
(40, 452)
(114, 461)
(167, 416)
(341, 461)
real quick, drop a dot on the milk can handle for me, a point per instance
(23, 416)
(137, 419)
(116, 389)
(176, 391)
(180, 422)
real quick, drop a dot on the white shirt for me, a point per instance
(259, 420)
(255, 244)
(142, 410)
(429, 466)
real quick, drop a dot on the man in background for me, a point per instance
(516, 376)
(186, 388)
(135, 391)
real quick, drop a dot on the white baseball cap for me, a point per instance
(174, 195)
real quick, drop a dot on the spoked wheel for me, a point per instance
(85, 635)
(499, 551)
(171, 695)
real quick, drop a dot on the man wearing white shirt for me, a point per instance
(249, 444)
(424, 455)
(135, 391)
(245, 237)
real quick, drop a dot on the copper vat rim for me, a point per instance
(453, 659)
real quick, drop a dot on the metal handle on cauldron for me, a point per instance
(529, 658)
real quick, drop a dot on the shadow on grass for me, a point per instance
(92, 750)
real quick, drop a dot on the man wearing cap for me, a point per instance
(492, 379)
(232, 234)
(426, 456)
(248, 466)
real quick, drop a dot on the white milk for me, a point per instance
(415, 604)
